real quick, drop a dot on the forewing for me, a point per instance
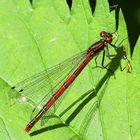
(40, 87)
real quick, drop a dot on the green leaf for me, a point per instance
(34, 38)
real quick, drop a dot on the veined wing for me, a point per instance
(40, 87)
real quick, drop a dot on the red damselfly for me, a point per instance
(73, 66)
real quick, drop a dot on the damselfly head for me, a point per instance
(104, 34)
(107, 37)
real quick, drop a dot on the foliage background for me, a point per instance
(109, 112)
(131, 12)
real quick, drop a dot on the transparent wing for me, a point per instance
(38, 88)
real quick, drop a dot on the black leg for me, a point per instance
(102, 64)
(108, 54)
(111, 57)
(103, 59)
(113, 46)
(96, 60)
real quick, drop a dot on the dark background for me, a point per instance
(131, 12)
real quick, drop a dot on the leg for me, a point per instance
(96, 65)
(103, 58)
(96, 60)
(128, 65)
(123, 56)
(102, 65)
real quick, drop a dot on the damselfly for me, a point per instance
(43, 80)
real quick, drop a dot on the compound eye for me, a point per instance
(109, 35)
(103, 34)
